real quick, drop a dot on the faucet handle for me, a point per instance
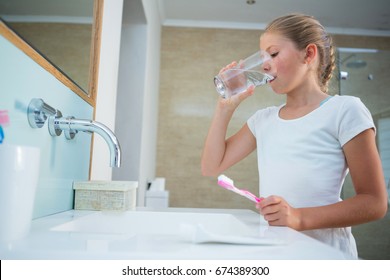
(70, 133)
(53, 130)
(38, 112)
(57, 124)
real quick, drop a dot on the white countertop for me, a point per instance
(44, 243)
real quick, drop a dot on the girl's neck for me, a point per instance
(306, 95)
(300, 103)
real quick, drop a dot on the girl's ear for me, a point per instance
(311, 53)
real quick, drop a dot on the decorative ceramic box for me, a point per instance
(105, 195)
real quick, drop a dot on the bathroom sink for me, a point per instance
(154, 223)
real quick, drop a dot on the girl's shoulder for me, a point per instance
(266, 112)
(346, 100)
(349, 104)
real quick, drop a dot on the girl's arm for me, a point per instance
(219, 153)
(369, 203)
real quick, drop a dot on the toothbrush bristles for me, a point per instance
(228, 183)
(226, 179)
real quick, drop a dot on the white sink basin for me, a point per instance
(144, 235)
(156, 223)
(184, 226)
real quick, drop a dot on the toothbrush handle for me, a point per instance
(251, 196)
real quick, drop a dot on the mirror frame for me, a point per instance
(90, 96)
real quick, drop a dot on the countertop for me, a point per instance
(44, 243)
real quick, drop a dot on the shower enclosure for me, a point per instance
(365, 73)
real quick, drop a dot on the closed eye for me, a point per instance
(274, 54)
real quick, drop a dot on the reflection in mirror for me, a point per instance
(61, 31)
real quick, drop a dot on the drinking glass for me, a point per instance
(249, 71)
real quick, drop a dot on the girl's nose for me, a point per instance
(267, 66)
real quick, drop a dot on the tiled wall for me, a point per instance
(190, 57)
(62, 161)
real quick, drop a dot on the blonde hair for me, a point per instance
(304, 30)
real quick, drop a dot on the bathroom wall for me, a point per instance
(62, 161)
(137, 125)
(138, 90)
(190, 57)
(107, 86)
(372, 238)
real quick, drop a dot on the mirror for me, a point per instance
(65, 33)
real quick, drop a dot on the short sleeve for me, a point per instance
(354, 118)
(258, 120)
(252, 123)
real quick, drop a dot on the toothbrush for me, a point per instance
(228, 184)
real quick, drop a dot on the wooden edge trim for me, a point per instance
(95, 49)
(22, 45)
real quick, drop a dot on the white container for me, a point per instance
(19, 173)
(157, 199)
(105, 195)
(156, 196)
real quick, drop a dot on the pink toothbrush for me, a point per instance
(228, 184)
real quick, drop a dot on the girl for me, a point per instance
(306, 146)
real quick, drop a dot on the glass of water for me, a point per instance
(249, 71)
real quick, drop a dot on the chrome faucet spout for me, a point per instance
(38, 112)
(72, 126)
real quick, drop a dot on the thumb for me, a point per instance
(235, 100)
(247, 93)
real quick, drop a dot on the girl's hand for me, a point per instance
(235, 100)
(277, 212)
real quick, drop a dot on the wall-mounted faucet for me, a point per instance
(38, 111)
(71, 126)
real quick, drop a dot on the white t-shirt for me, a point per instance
(302, 159)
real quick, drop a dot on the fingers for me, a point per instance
(235, 100)
(270, 208)
(243, 95)
(273, 219)
(277, 212)
(248, 92)
(237, 81)
(273, 199)
(229, 66)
